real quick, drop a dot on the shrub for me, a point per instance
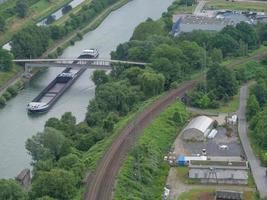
(13, 90)
(7, 95)
(2, 101)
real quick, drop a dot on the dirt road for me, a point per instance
(100, 184)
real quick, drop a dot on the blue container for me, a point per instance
(181, 161)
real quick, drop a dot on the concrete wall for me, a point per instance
(229, 176)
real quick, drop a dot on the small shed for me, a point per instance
(228, 195)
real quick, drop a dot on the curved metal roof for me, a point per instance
(201, 123)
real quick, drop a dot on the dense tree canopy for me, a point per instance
(148, 28)
(11, 190)
(49, 144)
(31, 42)
(221, 81)
(22, 9)
(59, 184)
(6, 62)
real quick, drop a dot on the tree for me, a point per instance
(221, 81)
(30, 42)
(110, 120)
(46, 198)
(248, 35)
(260, 91)
(57, 32)
(148, 28)
(253, 106)
(132, 75)
(151, 83)
(116, 96)
(2, 24)
(193, 54)
(100, 77)
(59, 184)
(11, 190)
(6, 63)
(49, 144)
(225, 42)
(216, 55)
(259, 129)
(22, 9)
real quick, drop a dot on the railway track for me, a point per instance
(101, 182)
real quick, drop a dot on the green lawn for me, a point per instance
(184, 9)
(222, 4)
(229, 107)
(5, 76)
(195, 194)
(37, 11)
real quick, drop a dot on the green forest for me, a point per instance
(66, 151)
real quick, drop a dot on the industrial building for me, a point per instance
(220, 172)
(198, 128)
(228, 195)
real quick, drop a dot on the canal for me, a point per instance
(16, 126)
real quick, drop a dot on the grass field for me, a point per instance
(185, 9)
(222, 4)
(5, 76)
(198, 194)
(37, 11)
(229, 107)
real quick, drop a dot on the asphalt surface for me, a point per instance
(259, 172)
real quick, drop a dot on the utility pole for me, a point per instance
(204, 67)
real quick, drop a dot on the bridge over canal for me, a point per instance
(103, 64)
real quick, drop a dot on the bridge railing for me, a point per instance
(103, 62)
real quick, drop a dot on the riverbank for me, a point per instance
(37, 11)
(117, 28)
(72, 37)
(66, 42)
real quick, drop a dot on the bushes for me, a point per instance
(10, 92)
(144, 172)
(2, 101)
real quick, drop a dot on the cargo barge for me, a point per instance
(47, 98)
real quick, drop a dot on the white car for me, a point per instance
(223, 147)
(166, 192)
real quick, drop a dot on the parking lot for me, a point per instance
(221, 145)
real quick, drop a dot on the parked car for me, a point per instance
(223, 147)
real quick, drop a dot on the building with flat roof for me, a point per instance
(198, 128)
(221, 172)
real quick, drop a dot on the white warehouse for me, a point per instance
(198, 128)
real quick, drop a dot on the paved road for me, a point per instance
(250, 1)
(257, 170)
(199, 8)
